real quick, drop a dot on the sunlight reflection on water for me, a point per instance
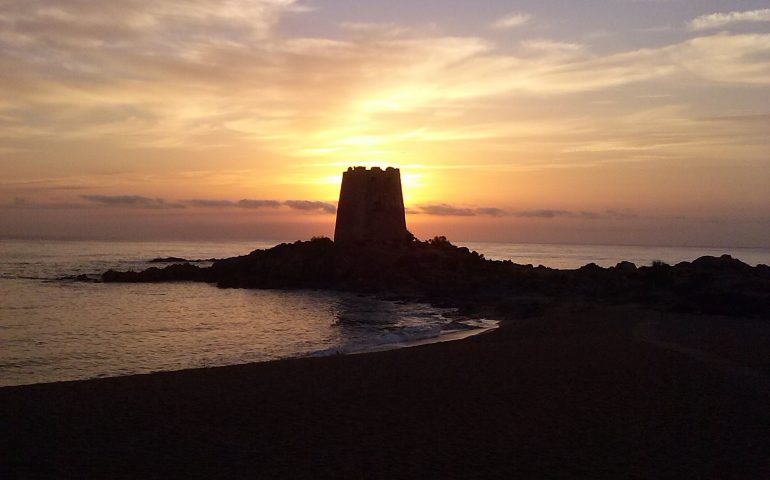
(60, 331)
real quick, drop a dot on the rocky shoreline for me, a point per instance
(444, 274)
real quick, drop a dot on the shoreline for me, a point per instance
(449, 336)
(377, 341)
(570, 393)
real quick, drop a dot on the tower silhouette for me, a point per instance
(371, 206)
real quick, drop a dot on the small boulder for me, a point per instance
(169, 260)
(625, 266)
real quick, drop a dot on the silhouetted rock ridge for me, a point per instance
(442, 273)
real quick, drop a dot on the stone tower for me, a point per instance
(371, 206)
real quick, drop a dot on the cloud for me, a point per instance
(307, 205)
(133, 201)
(142, 202)
(720, 58)
(301, 205)
(446, 210)
(725, 58)
(551, 45)
(719, 20)
(123, 74)
(490, 211)
(210, 203)
(442, 209)
(543, 213)
(612, 214)
(511, 20)
(85, 22)
(24, 203)
(246, 203)
(759, 118)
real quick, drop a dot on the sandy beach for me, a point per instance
(579, 392)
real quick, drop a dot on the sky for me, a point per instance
(593, 121)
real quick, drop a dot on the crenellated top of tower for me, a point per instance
(374, 170)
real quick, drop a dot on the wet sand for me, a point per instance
(580, 392)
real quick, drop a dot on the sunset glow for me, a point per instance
(612, 121)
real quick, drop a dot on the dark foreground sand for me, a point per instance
(578, 393)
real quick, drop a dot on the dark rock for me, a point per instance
(625, 266)
(444, 274)
(171, 273)
(181, 260)
(81, 278)
(170, 260)
(725, 262)
(590, 267)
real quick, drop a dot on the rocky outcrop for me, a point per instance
(171, 273)
(437, 271)
(169, 260)
(179, 260)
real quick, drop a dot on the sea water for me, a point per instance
(54, 330)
